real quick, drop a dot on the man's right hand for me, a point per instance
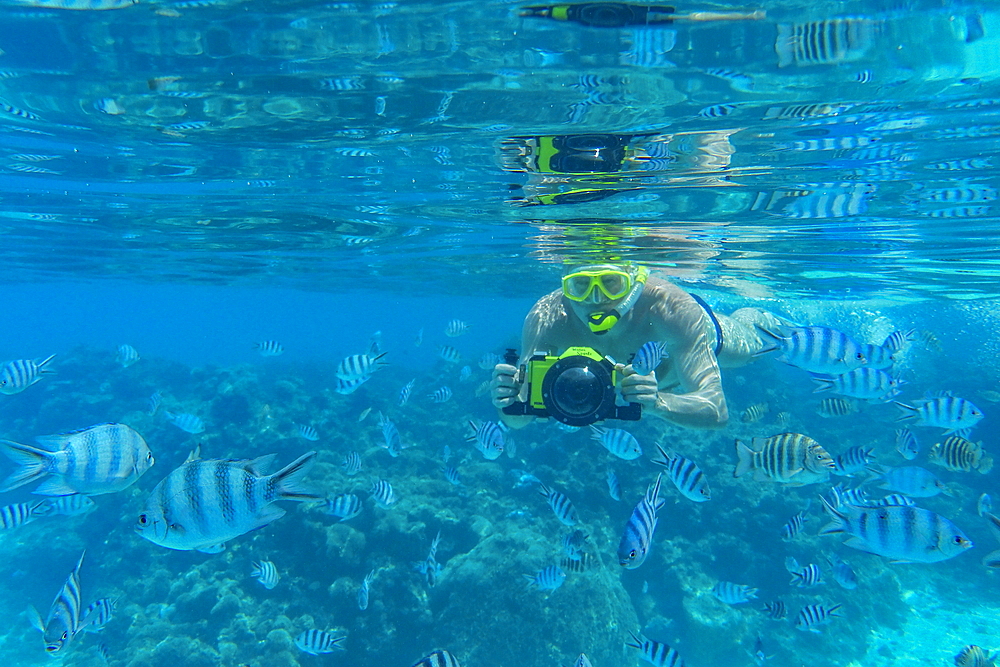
(504, 387)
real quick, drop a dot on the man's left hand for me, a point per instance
(637, 388)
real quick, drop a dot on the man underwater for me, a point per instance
(616, 309)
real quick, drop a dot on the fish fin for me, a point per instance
(213, 548)
(860, 545)
(288, 478)
(839, 523)
(31, 460)
(41, 364)
(260, 465)
(36, 619)
(822, 384)
(769, 341)
(54, 486)
(909, 412)
(745, 463)
(195, 454)
(41, 508)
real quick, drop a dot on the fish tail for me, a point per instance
(909, 412)
(992, 559)
(745, 462)
(835, 610)
(41, 364)
(287, 480)
(31, 460)
(839, 523)
(769, 341)
(822, 384)
(636, 641)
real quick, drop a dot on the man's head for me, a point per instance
(601, 294)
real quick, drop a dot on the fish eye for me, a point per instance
(959, 539)
(65, 634)
(143, 520)
(632, 554)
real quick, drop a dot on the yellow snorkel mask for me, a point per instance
(587, 284)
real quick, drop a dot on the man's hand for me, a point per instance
(504, 388)
(637, 388)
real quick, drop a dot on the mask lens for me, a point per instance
(614, 285)
(577, 286)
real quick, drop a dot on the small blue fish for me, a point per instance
(637, 538)
(842, 572)
(619, 442)
(18, 375)
(97, 614)
(913, 481)
(364, 589)
(382, 494)
(816, 349)
(404, 393)
(813, 615)
(614, 488)
(560, 504)
(455, 328)
(574, 544)
(648, 358)
(685, 474)
(126, 355)
(440, 395)
(794, 526)
(489, 439)
(344, 505)
(730, 593)
(489, 360)
(984, 505)
(449, 354)
(351, 463)
(803, 577)
(266, 573)
(307, 432)
(154, 403)
(269, 348)
(948, 412)
(63, 621)
(18, 514)
(439, 658)
(852, 461)
(316, 642)
(906, 444)
(185, 421)
(451, 474)
(72, 505)
(357, 366)
(776, 610)
(655, 653)
(548, 578)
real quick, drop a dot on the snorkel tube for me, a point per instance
(600, 322)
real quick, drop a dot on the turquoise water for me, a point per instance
(193, 178)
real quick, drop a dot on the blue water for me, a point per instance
(192, 178)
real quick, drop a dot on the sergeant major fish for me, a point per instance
(439, 658)
(127, 355)
(204, 503)
(63, 621)
(364, 590)
(185, 421)
(948, 412)
(787, 458)
(560, 504)
(18, 375)
(266, 573)
(637, 539)
(619, 442)
(816, 349)
(730, 593)
(316, 642)
(100, 459)
(960, 455)
(345, 506)
(548, 578)
(655, 653)
(813, 615)
(648, 358)
(903, 534)
(685, 474)
(357, 366)
(18, 514)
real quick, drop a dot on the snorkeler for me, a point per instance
(616, 310)
(620, 14)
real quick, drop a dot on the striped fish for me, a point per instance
(575, 543)
(730, 593)
(815, 349)
(867, 383)
(813, 615)
(685, 474)
(364, 590)
(903, 534)
(548, 578)
(449, 354)
(100, 459)
(451, 474)
(62, 623)
(794, 526)
(18, 514)
(439, 658)
(390, 436)
(343, 505)
(614, 487)
(185, 421)
(582, 661)
(834, 406)
(204, 503)
(351, 463)
(892, 500)
(455, 328)
(992, 559)
(74, 505)
(776, 610)
(655, 653)
(717, 110)
(382, 494)
(404, 393)
(637, 538)
(97, 614)
(975, 656)
(489, 438)
(803, 577)
(586, 562)
(127, 355)
(307, 432)
(429, 567)
(754, 413)
(854, 460)
(316, 642)
(913, 481)
(154, 403)
(358, 366)
(560, 504)
(841, 496)
(619, 442)
(649, 47)
(906, 444)
(440, 395)
(948, 412)
(18, 375)
(786, 458)
(648, 358)
(960, 455)
(827, 42)
(842, 572)
(984, 505)
(877, 356)
(269, 348)
(266, 573)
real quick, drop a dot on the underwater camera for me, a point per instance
(576, 388)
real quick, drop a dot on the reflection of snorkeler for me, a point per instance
(619, 14)
(617, 309)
